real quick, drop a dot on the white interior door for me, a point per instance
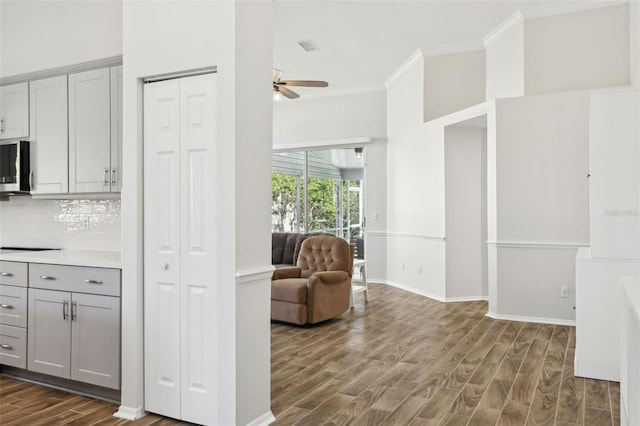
(180, 248)
(198, 131)
(162, 247)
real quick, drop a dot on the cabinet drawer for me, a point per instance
(77, 279)
(13, 273)
(13, 306)
(13, 346)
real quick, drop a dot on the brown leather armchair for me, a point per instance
(318, 287)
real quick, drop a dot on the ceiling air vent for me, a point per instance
(309, 46)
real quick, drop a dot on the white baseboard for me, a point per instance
(467, 299)
(129, 413)
(538, 320)
(433, 296)
(263, 420)
(414, 291)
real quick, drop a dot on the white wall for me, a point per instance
(330, 118)
(543, 162)
(505, 63)
(615, 175)
(453, 82)
(167, 37)
(542, 203)
(67, 224)
(465, 212)
(634, 42)
(37, 35)
(415, 189)
(573, 51)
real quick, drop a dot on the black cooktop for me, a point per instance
(27, 248)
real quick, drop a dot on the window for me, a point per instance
(318, 191)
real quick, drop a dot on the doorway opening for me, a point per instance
(466, 265)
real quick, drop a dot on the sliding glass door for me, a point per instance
(318, 191)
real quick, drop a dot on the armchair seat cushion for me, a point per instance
(292, 290)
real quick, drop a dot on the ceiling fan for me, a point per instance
(279, 86)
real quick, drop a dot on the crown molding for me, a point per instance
(347, 91)
(447, 49)
(68, 69)
(416, 57)
(569, 7)
(501, 30)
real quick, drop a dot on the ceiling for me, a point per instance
(363, 42)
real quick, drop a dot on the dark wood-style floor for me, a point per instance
(401, 359)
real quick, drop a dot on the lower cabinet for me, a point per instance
(75, 336)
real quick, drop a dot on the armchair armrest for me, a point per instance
(282, 273)
(329, 277)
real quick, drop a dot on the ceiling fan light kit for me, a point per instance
(280, 90)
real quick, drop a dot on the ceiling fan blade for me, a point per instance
(307, 83)
(287, 92)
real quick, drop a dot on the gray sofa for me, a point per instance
(285, 247)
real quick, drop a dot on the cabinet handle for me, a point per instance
(1, 125)
(31, 180)
(47, 277)
(2, 305)
(106, 176)
(74, 311)
(5, 346)
(65, 306)
(93, 281)
(6, 274)
(113, 176)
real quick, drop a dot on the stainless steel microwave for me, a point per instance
(15, 171)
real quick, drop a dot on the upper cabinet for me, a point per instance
(90, 131)
(49, 136)
(95, 130)
(74, 123)
(116, 129)
(14, 111)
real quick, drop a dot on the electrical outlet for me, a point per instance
(564, 291)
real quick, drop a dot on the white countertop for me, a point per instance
(94, 258)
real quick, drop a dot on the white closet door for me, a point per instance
(162, 247)
(198, 141)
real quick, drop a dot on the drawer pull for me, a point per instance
(47, 277)
(6, 274)
(5, 346)
(93, 281)
(2, 305)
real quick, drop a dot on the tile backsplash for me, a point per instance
(68, 224)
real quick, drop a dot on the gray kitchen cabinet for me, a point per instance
(49, 135)
(95, 129)
(72, 334)
(13, 314)
(14, 111)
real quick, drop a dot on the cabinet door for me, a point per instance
(49, 336)
(14, 111)
(116, 129)
(95, 339)
(49, 135)
(89, 131)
